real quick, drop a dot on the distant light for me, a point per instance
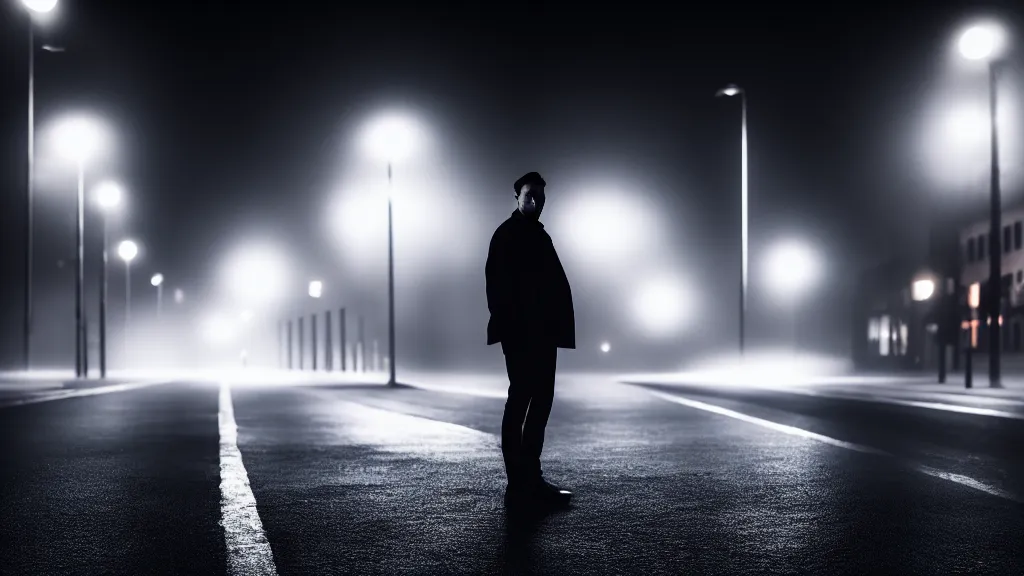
(78, 138)
(730, 90)
(157, 279)
(793, 268)
(247, 316)
(922, 290)
(40, 6)
(393, 137)
(316, 288)
(974, 295)
(108, 195)
(661, 305)
(606, 347)
(179, 296)
(218, 330)
(256, 274)
(979, 42)
(127, 250)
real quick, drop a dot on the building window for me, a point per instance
(981, 247)
(1018, 232)
(970, 249)
(1007, 245)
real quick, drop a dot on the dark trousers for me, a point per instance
(531, 390)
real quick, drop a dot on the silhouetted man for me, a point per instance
(532, 316)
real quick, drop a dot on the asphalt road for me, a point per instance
(364, 480)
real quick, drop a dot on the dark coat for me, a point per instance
(528, 293)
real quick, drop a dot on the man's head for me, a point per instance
(530, 195)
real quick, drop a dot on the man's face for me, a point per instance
(531, 199)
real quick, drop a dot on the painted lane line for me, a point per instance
(247, 547)
(65, 394)
(959, 408)
(956, 478)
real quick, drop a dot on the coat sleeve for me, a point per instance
(496, 274)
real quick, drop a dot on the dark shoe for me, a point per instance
(551, 494)
(516, 496)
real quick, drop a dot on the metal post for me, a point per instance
(290, 363)
(29, 208)
(312, 339)
(159, 300)
(968, 368)
(127, 306)
(328, 342)
(391, 285)
(343, 343)
(743, 223)
(995, 233)
(362, 347)
(302, 333)
(103, 298)
(80, 276)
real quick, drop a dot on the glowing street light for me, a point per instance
(255, 274)
(984, 43)
(661, 305)
(392, 139)
(157, 281)
(606, 347)
(793, 269)
(78, 138)
(108, 196)
(729, 91)
(34, 7)
(127, 251)
(316, 289)
(922, 289)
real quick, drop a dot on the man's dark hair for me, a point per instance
(532, 178)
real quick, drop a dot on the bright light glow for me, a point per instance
(792, 268)
(922, 290)
(40, 6)
(606, 347)
(661, 305)
(78, 138)
(730, 90)
(157, 279)
(256, 274)
(179, 295)
(108, 195)
(610, 229)
(393, 137)
(127, 250)
(979, 42)
(316, 289)
(217, 330)
(247, 316)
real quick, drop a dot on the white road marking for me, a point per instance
(957, 478)
(65, 394)
(248, 550)
(959, 408)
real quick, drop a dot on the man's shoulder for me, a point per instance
(505, 228)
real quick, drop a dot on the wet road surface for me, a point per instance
(364, 480)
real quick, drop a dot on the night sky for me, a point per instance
(232, 116)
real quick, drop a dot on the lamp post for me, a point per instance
(734, 90)
(108, 196)
(316, 290)
(157, 281)
(392, 139)
(792, 270)
(34, 7)
(78, 139)
(982, 43)
(127, 250)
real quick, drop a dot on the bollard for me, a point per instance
(302, 337)
(968, 368)
(328, 342)
(290, 365)
(312, 339)
(343, 344)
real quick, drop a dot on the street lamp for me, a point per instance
(792, 269)
(127, 250)
(728, 91)
(316, 289)
(77, 140)
(391, 139)
(158, 282)
(35, 7)
(983, 43)
(108, 196)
